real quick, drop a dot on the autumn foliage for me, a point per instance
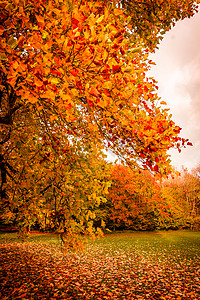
(139, 201)
(152, 19)
(73, 83)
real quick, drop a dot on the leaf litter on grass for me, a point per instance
(121, 269)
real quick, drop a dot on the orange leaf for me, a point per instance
(38, 82)
(163, 103)
(40, 20)
(94, 92)
(74, 72)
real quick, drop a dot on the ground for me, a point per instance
(163, 265)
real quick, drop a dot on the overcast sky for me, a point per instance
(177, 71)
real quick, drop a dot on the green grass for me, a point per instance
(46, 238)
(188, 243)
(160, 265)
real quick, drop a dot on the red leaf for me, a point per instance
(116, 68)
(189, 144)
(90, 103)
(79, 86)
(156, 168)
(122, 51)
(74, 72)
(177, 129)
(115, 46)
(74, 21)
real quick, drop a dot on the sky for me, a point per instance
(177, 71)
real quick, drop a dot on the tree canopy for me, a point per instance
(152, 19)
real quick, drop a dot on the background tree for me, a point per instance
(180, 194)
(141, 201)
(133, 199)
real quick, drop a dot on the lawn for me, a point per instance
(162, 265)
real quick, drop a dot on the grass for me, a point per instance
(45, 238)
(161, 265)
(187, 243)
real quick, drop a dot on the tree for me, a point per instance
(140, 201)
(181, 194)
(175, 214)
(73, 72)
(190, 184)
(134, 199)
(57, 191)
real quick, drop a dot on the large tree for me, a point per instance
(73, 73)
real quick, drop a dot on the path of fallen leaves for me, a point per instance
(38, 271)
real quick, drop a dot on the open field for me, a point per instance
(163, 265)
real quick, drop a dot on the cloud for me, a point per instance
(178, 76)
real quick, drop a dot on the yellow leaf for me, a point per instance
(45, 34)
(103, 223)
(75, 92)
(65, 44)
(128, 69)
(100, 19)
(112, 28)
(137, 49)
(77, 34)
(54, 80)
(108, 85)
(86, 34)
(93, 34)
